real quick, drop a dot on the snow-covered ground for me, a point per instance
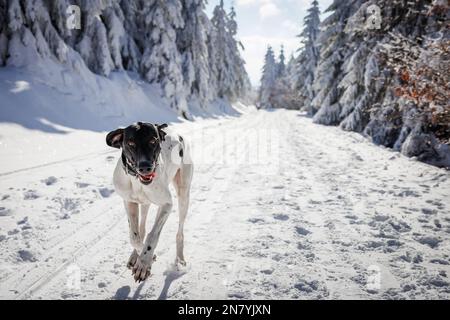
(281, 208)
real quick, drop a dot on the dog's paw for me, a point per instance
(141, 270)
(132, 260)
(180, 263)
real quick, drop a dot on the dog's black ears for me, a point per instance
(115, 138)
(162, 133)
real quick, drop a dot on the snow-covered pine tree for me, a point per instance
(356, 82)
(131, 52)
(268, 80)
(93, 46)
(371, 105)
(213, 59)
(117, 36)
(161, 60)
(3, 31)
(291, 69)
(30, 33)
(308, 58)
(281, 63)
(145, 36)
(333, 50)
(192, 45)
(58, 14)
(242, 81)
(228, 67)
(221, 57)
(283, 94)
(415, 94)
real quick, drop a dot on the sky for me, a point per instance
(267, 22)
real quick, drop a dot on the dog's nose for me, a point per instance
(145, 167)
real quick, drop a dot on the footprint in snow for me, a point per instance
(4, 212)
(13, 232)
(50, 181)
(267, 271)
(23, 221)
(373, 245)
(351, 217)
(281, 217)
(440, 261)
(407, 257)
(312, 287)
(435, 281)
(256, 220)
(432, 242)
(302, 231)
(26, 256)
(31, 195)
(81, 185)
(429, 211)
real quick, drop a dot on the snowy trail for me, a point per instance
(333, 217)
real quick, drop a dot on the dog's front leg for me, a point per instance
(136, 239)
(141, 269)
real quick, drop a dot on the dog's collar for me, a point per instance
(129, 169)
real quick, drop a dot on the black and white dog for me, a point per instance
(151, 160)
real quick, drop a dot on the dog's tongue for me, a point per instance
(150, 176)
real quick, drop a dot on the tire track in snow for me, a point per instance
(49, 164)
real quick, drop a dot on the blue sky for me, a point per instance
(267, 22)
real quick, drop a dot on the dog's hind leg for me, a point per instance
(182, 182)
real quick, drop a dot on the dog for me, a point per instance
(151, 159)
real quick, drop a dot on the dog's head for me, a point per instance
(141, 146)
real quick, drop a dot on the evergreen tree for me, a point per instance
(281, 63)
(161, 60)
(94, 46)
(192, 44)
(308, 57)
(333, 51)
(360, 67)
(171, 43)
(3, 33)
(241, 79)
(268, 80)
(133, 42)
(231, 79)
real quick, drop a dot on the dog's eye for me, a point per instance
(153, 141)
(131, 144)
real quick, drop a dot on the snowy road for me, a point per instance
(323, 215)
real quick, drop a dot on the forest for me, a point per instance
(381, 68)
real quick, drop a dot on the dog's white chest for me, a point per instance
(132, 190)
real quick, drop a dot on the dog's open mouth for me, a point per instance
(147, 179)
